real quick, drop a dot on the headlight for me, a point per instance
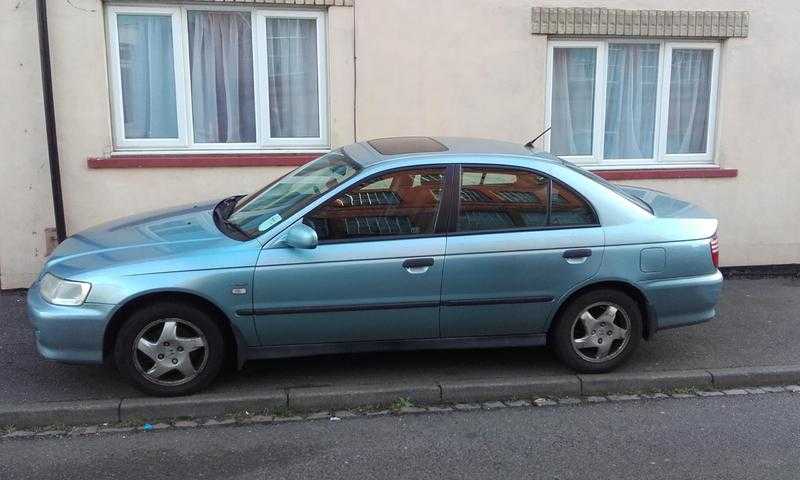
(63, 292)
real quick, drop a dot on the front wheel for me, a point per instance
(170, 349)
(597, 331)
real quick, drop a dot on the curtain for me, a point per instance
(689, 98)
(572, 110)
(221, 66)
(631, 92)
(147, 73)
(293, 82)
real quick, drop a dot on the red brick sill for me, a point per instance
(667, 173)
(202, 160)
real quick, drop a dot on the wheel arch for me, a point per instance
(232, 336)
(648, 314)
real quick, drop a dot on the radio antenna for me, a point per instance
(530, 144)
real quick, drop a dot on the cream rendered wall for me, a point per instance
(26, 207)
(91, 196)
(472, 68)
(444, 67)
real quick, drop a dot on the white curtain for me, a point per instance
(572, 110)
(221, 65)
(147, 72)
(689, 97)
(631, 92)
(293, 82)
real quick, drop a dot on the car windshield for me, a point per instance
(614, 188)
(260, 211)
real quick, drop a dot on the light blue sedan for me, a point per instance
(391, 244)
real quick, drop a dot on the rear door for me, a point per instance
(375, 275)
(520, 242)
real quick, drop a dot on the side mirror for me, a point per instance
(301, 235)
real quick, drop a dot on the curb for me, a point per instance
(318, 398)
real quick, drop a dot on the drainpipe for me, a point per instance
(50, 120)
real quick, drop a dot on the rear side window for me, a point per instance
(507, 199)
(402, 203)
(567, 208)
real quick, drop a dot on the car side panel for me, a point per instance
(490, 271)
(682, 290)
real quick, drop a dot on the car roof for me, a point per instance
(391, 149)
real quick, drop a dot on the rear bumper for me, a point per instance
(684, 301)
(68, 334)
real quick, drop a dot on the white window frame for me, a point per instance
(115, 79)
(180, 44)
(660, 158)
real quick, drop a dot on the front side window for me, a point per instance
(402, 203)
(215, 78)
(503, 199)
(625, 102)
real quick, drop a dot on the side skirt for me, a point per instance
(310, 349)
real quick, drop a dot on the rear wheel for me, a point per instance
(597, 331)
(170, 349)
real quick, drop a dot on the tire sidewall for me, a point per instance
(140, 318)
(560, 337)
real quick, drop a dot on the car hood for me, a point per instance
(165, 240)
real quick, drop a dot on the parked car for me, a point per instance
(391, 244)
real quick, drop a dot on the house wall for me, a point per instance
(26, 206)
(449, 67)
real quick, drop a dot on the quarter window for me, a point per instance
(215, 78)
(498, 199)
(403, 203)
(628, 102)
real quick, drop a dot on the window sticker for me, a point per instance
(266, 224)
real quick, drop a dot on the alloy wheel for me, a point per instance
(600, 332)
(170, 351)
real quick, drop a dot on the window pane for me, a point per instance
(292, 70)
(501, 199)
(401, 203)
(689, 99)
(147, 72)
(572, 111)
(221, 66)
(631, 91)
(567, 208)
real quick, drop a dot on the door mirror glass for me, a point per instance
(301, 236)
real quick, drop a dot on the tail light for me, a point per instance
(715, 249)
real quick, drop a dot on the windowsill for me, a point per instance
(666, 173)
(201, 160)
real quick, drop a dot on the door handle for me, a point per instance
(577, 255)
(418, 265)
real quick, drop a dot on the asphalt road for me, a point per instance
(750, 437)
(757, 325)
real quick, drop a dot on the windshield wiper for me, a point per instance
(221, 213)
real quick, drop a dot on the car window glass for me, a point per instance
(567, 208)
(402, 203)
(497, 199)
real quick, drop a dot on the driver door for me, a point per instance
(375, 275)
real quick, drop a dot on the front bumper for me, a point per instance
(68, 334)
(684, 301)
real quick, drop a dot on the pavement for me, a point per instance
(756, 327)
(727, 437)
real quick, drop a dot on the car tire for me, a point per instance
(597, 331)
(170, 349)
